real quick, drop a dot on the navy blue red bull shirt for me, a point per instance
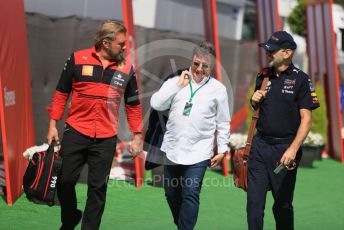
(286, 94)
(96, 95)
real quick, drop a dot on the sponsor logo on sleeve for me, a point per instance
(118, 80)
(311, 87)
(314, 98)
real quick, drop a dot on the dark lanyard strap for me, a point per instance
(193, 93)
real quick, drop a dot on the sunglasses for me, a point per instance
(203, 65)
(121, 44)
(275, 51)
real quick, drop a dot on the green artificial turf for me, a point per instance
(318, 204)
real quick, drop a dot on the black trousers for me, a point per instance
(264, 158)
(76, 150)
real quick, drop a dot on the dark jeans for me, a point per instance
(263, 160)
(182, 185)
(76, 150)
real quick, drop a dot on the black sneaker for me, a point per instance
(78, 218)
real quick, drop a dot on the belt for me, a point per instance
(275, 140)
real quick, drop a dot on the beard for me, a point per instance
(276, 62)
(117, 57)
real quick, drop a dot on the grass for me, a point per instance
(318, 204)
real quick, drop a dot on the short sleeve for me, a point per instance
(307, 97)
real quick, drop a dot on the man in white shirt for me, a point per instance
(198, 108)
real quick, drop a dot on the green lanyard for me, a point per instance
(193, 93)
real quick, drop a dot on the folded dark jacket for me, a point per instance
(155, 133)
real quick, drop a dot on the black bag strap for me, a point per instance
(51, 148)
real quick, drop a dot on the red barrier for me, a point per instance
(268, 21)
(15, 95)
(211, 32)
(127, 9)
(322, 52)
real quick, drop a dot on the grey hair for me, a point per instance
(205, 49)
(108, 29)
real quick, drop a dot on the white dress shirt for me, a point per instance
(190, 139)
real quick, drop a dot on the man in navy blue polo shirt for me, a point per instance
(285, 119)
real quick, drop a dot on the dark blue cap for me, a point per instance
(279, 40)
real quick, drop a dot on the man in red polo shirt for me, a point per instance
(97, 78)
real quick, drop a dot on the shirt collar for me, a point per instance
(94, 54)
(288, 70)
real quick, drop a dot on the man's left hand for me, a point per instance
(216, 160)
(288, 156)
(136, 146)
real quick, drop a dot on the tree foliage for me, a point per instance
(339, 2)
(319, 115)
(297, 18)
